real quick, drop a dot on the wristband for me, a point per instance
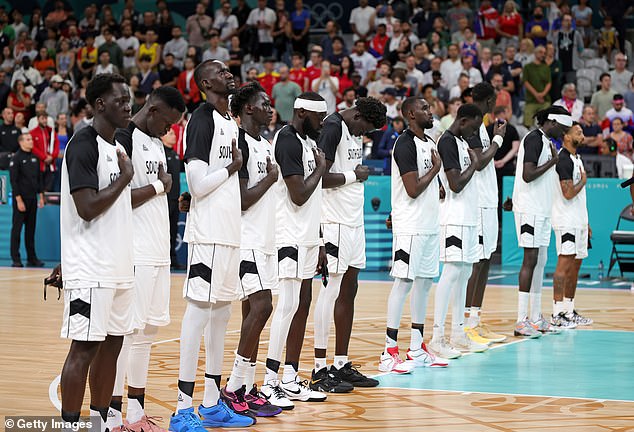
(159, 187)
(350, 176)
(498, 140)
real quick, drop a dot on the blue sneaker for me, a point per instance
(222, 416)
(186, 420)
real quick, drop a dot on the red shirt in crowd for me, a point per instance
(489, 18)
(45, 143)
(509, 23)
(267, 81)
(299, 76)
(377, 44)
(313, 72)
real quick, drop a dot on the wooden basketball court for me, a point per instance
(32, 355)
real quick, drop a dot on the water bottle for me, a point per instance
(601, 267)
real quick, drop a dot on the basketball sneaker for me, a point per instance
(221, 415)
(325, 381)
(235, 400)
(463, 343)
(424, 358)
(484, 331)
(259, 406)
(391, 361)
(442, 349)
(580, 320)
(474, 336)
(146, 424)
(525, 328)
(545, 327)
(186, 420)
(562, 322)
(299, 390)
(276, 396)
(351, 374)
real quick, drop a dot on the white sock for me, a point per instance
(115, 418)
(195, 319)
(241, 366)
(214, 349)
(558, 307)
(94, 413)
(536, 284)
(135, 411)
(340, 361)
(325, 310)
(522, 306)
(474, 317)
(249, 379)
(290, 373)
(569, 305)
(418, 308)
(459, 300)
(395, 301)
(448, 278)
(536, 306)
(320, 363)
(287, 304)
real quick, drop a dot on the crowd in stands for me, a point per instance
(535, 54)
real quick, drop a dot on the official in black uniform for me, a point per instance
(174, 165)
(26, 183)
(8, 138)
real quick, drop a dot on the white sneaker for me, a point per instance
(276, 396)
(299, 390)
(441, 348)
(423, 358)
(465, 344)
(391, 361)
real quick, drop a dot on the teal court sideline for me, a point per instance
(589, 364)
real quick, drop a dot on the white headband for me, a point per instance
(562, 119)
(310, 105)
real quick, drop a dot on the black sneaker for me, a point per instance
(350, 374)
(325, 382)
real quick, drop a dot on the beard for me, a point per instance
(309, 130)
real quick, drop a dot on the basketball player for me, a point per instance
(415, 226)
(458, 231)
(485, 148)
(535, 182)
(570, 223)
(258, 261)
(213, 232)
(302, 166)
(344, 237)
(150, 183)
(96, 250)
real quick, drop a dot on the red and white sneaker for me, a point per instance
(391, 362)
(424, 358)
(146, 424)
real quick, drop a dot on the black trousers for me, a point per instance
(28, 219)
(174, 217)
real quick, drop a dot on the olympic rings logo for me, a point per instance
(321, 13)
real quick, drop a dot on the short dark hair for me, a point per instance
(143, 58)
(170, 96)
(603, 75)
(169, 54)
(409, 104)
(338, 38)
(483, 91)
(499, 109)
(243, 96)
(372, 110)
(200, 70)
(468, 111)
(100, 85)
(349, 89)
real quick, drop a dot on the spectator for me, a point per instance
(46, 149)
(441, 92)
(451, 67)
(87, 57)
(582, 14)
(20, 123)
(621, 77)
(129, 45)
(5, 89)
(242, 11)
(379, 42)
(339, 50)
(165, 23)
(197, 26)
(168, 75)
(112, 48)
(629, 95)
(437, 45)
(176, 46)
(434, 66)
(555, 71)
(618, 110)
(364, 62)
(65, 59)
(463, 84)
(569, 101)
(225, 22)
(406, 29)
(298, 73)
(29, 76)
(263, 19)
(568, 47)
(414, 74)
(469, 45)
(537, 28)
(281, 33)
(384, 15)
(457, 12)
(8, 62)
(110, 21)
(63, 134)
(269, 132)
(236, 54)
(401, 53)
(146, 75)
(391, 103)
(343, 72)
(252, 75)
(332, 31)
(499, 66)
(40, 108)
(28, 197)
(349, 99)
(215, 50)
(187, 85)
(422, 57)
(73, 38)
(327, 86)
(284, 93)
(148, 22)
(602, 98)
(358, 87)
(150, 48)
(9, 134)
(105, 66)
(487, 21)
(525, 54)
(514, 68)
(402, 91)
(474, 74)
(384, 150)
(43, 61)
(375, 88)
(18, 24)
(57, 16)
(503, 97)
(54, 97)
(425, 19)
(537, 82)
(269, 77)
(362, 23)
(623, 140)
(46, 82)
(452, 111)
(300, 26)
(504, 159)
(485, 62)
(592, 132)
(19, 100)
(608, 38)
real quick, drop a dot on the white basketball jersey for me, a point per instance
(215, 217)
(343, 204)
(486, 179)
(536, 197)
(258, 221)
(413, 216)
(98, 253)
(296, 225)
(457, 208)
(571, 213)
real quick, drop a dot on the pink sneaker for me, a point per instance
(390, 361)
(146, 424)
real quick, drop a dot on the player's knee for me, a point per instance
(82, 352)
(530, 258)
